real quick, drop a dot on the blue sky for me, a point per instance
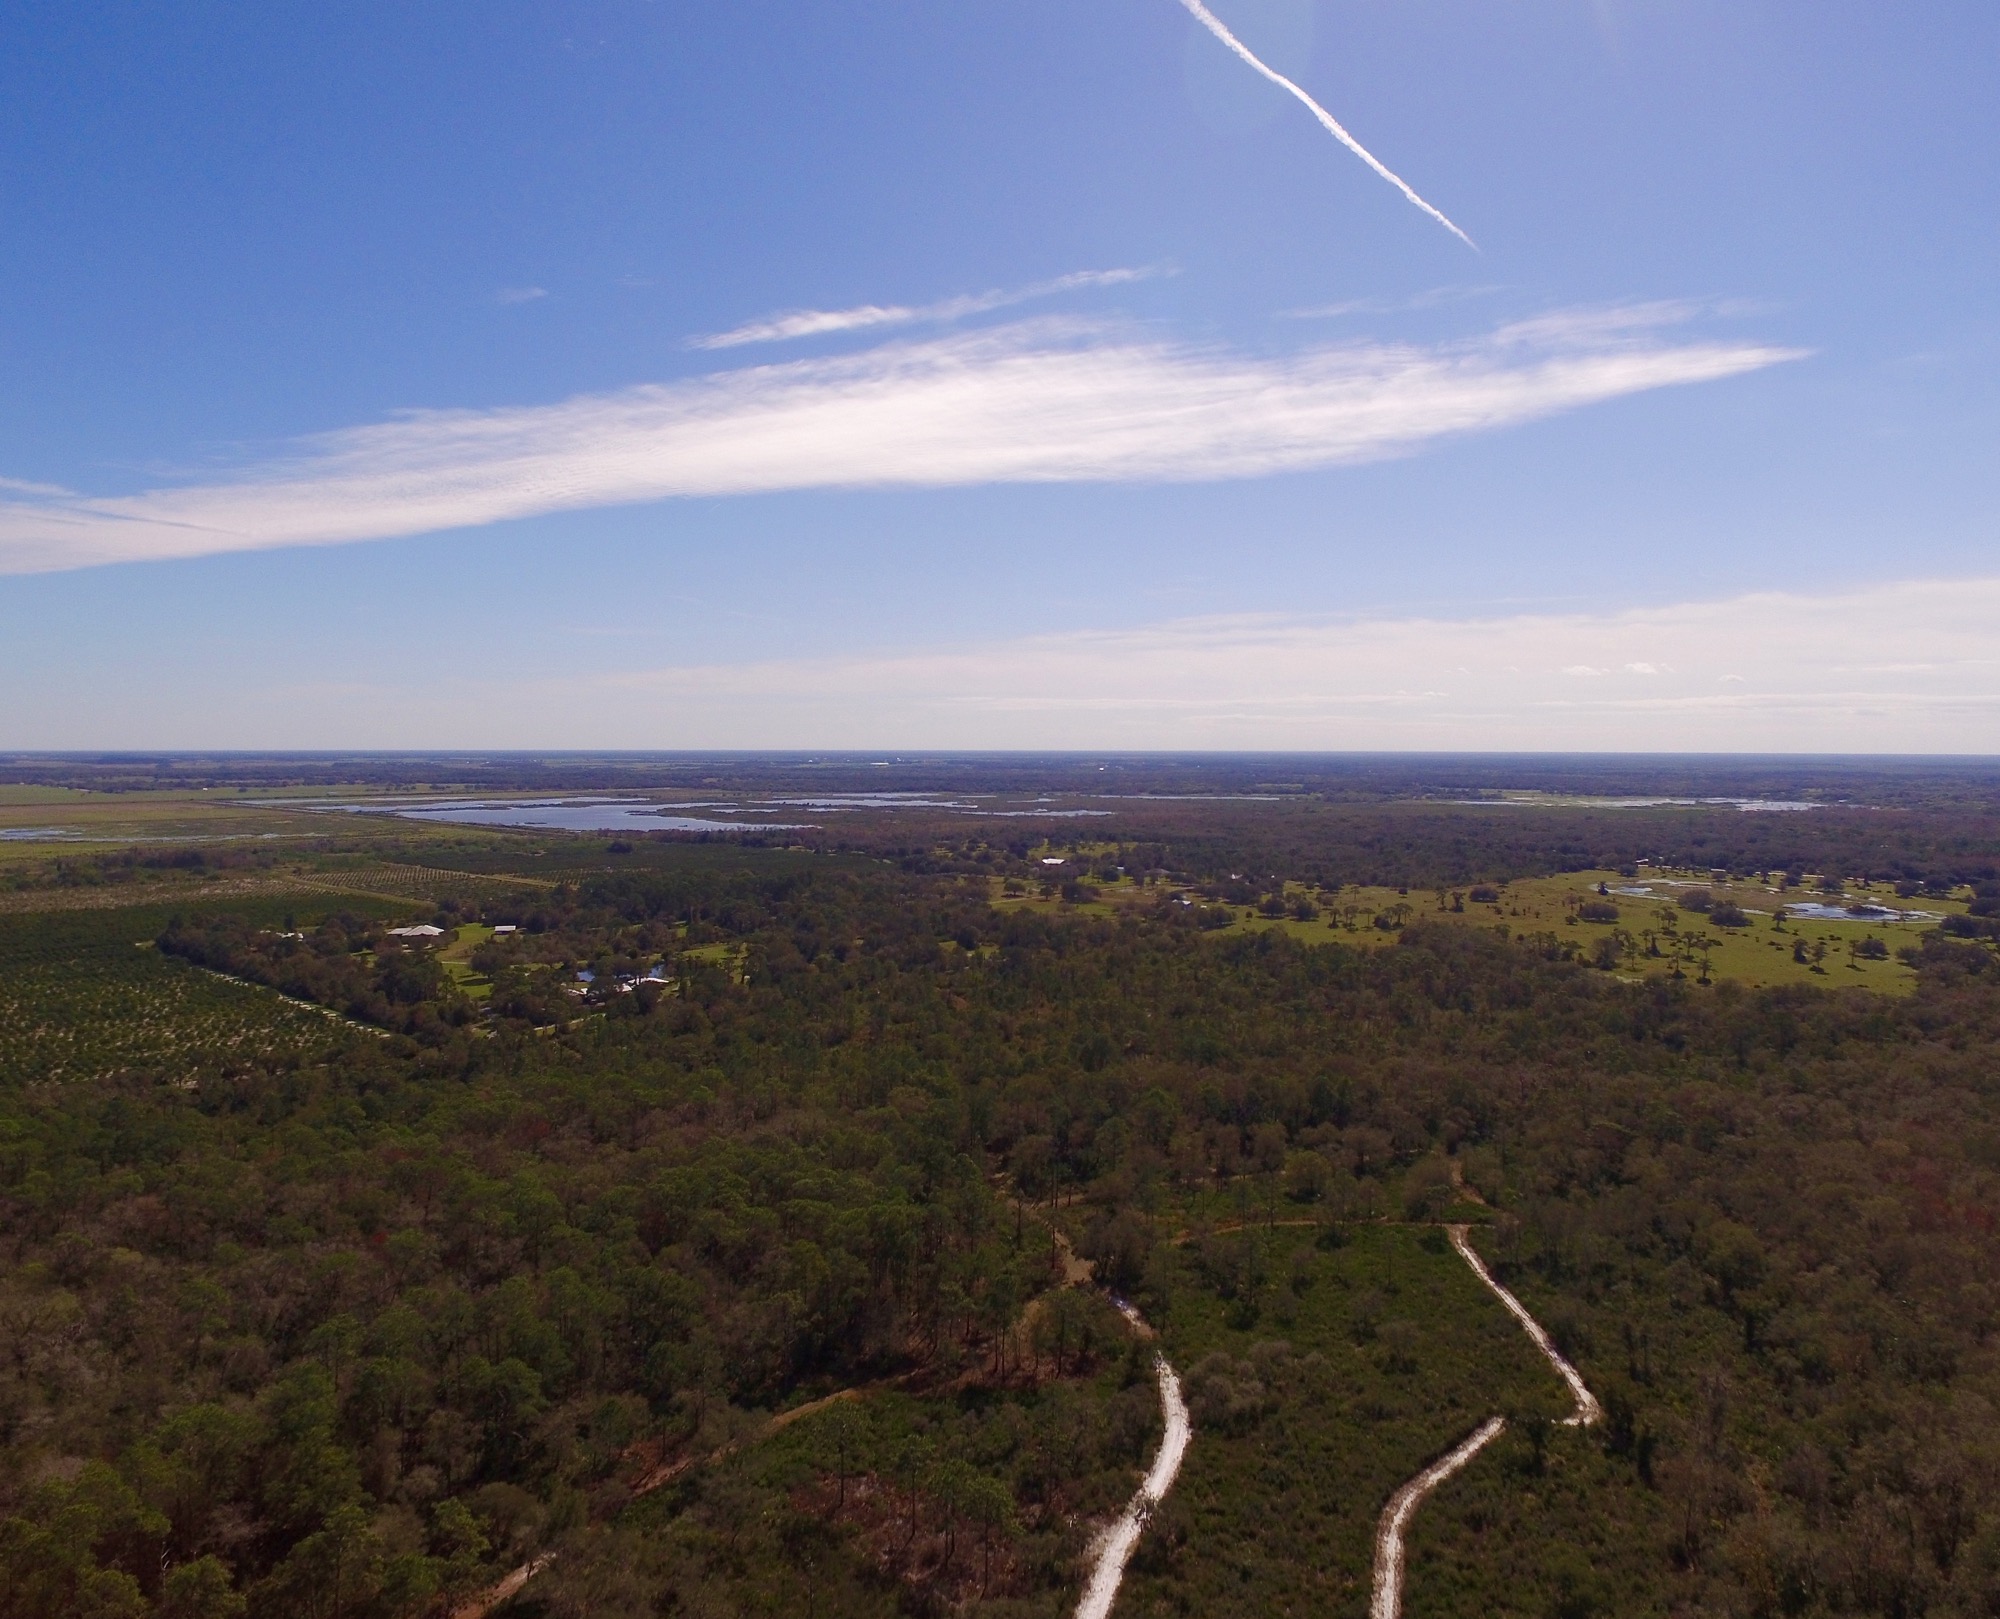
(356, 390)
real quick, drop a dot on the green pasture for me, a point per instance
(1759, 954)
(94, 822)
(15, 794)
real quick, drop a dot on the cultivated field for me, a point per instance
(84, 994)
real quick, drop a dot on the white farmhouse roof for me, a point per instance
(423, 930)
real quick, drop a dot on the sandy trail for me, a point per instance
(1387, 1599)
(1587, 1409)
(477, 1607)
(1114, 1547)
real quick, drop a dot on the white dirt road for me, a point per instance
(1386, 1602)
(1114, 1547)
(1587, 1409)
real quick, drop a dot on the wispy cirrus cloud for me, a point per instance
(519, 295)
(1039, 402)
(1435, 298)
(21, 486)
(1774, 672)
(798, 323)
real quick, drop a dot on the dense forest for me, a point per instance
(340, 1325)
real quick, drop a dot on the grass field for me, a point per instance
(82, 821)
(1758, 954)
(53, 844)
(14, 794)
(456, 959)
(731, 958)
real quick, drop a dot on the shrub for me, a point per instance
(1306, 1176)
(1226, 1394)
(1400, 1340)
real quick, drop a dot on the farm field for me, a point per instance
(83, 994)
(39, 823)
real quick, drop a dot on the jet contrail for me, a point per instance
(1215, 26)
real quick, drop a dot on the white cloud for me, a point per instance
(1596, 323)
(1766, 672)
(1045, 402)
(1388, 306)
(799, 323)
(519, 295)
(1763, 673)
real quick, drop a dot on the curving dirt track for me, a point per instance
(1386, 1601)
(1114, 1547)
(1112, 1551)
(1587, 1409)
